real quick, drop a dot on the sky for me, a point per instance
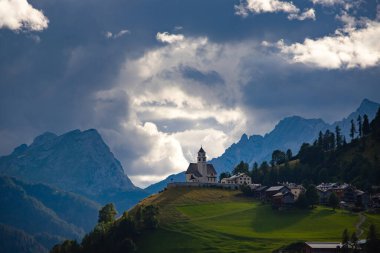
(160, 78)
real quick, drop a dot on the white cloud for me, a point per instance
(110, 35)
(307, 14)
(273, 6)
(166, 37)
(328, 2)
(348, 48)
(20, 15)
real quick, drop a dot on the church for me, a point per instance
(201, 171)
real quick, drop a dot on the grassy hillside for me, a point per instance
(213, 220)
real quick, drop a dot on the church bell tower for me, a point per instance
(202, 163)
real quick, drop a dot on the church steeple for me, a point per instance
(201, 156)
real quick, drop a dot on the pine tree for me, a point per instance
(359, 120)
(107, 213)
(354, 241)
(289, 154)
(338, 136)
(372, 244)
(345, 240)
(320, 139)
(366, 128)
(352, 130)
(312, 195)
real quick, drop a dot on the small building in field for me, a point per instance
(260, 193)
(274, 190)
(201, 172)
(240, 179)
(322, 247)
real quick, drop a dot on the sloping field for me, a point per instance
(213, 220)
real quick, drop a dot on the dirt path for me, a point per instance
(359, 230)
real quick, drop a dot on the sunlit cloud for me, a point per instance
(20, 15)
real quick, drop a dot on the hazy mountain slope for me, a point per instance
(77, 162)
(24, 212)
(180, 177)
(47, 214)
(16, 241)
(70, 207)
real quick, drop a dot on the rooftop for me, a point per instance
(323, 245)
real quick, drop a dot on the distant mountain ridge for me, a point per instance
(77, 161)
(289, 133)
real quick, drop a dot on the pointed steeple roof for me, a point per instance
(201, 150)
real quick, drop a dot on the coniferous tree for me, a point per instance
(359, 120)
(320, 139)
(242, 167)
(372, 244)
(289, 154)
(354, 241)
(312, 195)
(225, 174)
(352, 130)
(278, 157)
(107, 213)
(366, 128)
(338, 136)
(345, 240)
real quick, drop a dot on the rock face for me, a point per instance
(77, 161)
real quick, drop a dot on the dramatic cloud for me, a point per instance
(169, 38)
(193, 81)
(269, 6)
(20, 15)
(356, 48)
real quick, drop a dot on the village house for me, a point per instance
(295, 189)
(347, 194)
(239, 179)
(201, 172)
(322, 247)
(271, 191)
(259, 192)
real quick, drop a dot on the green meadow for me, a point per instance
(213, 220)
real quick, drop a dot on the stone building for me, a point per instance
(201, 171)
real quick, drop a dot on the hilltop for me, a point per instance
(216, 220)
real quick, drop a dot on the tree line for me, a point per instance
(113, 235)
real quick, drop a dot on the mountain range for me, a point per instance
(289, 133)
